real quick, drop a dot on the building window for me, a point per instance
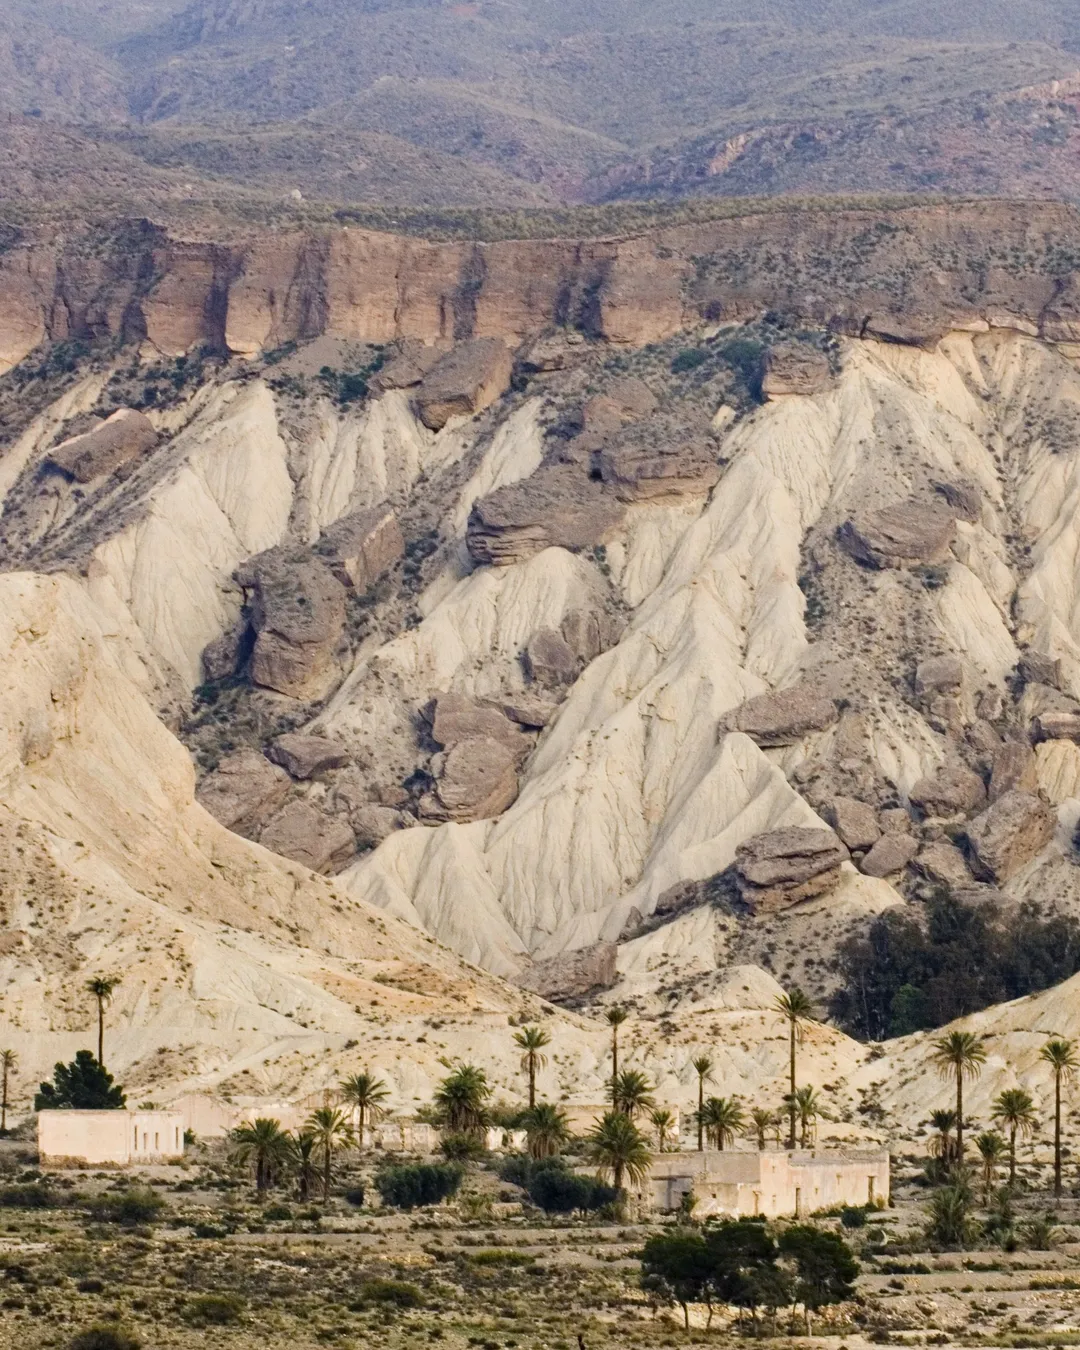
(157, 1142)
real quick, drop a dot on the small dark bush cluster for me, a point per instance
(414, 1184)
(35, 1195)
(551, 1185)
(104, 1337)
(398, 1293)
(355, 1196)
(217, 1310)
(136, 1206)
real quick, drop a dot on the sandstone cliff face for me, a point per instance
(251, 296)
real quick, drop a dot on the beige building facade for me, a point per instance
(741, 1184)
(109, 1138)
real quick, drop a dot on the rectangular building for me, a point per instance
(109, 1138)
(741, 1184)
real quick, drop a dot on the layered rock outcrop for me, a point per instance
(1008, 834)
(297, 611)
(121, 438)
(359, 547)
(784, 867)
(784, 717)
(243, 792)
(557, 507)
(909, 534)
(465, 381)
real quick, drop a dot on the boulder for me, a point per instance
(549, 661)
(123, 437)
(573, 974)
(795, 368)
(298, 616)
(890, 854)
(319, 842)
(651, 459)
(224, 656)
(964, 499)
(953, 791)
(304, 756)
(943, 864)
(783, 717)
(1014, 767)
(1039, 668)
(1056, 726)
(590, 632)
(243, 792)
(1008, 835)
(558, 507)
(464, 382)
(372, 824)
(855, 823)
(477, 781)
(906, 534)
(782, 867)
(361, 546)
(407, 369)
(530, 711)
(454, 718)
(939, 675)
(894, 820)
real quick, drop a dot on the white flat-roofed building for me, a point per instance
(109, 1138)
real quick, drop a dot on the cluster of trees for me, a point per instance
(745, 1264)
(916, 972)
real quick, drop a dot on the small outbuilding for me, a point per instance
(109, 1138)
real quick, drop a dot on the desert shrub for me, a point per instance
(688, 359)
(412, 1185)
(274, 1213)
(500, 1256)
(216, 1310)
(746, 357)
(137, 1205)
(83, 1085)
(355, 1195)
(399, 1293)
(852, 1216)
(91, 1286)
(32, 1196)
(209, 1230)
(462, 1147)
(562, 1192)
(104, 1337)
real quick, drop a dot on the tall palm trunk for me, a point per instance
(101, 1030)
(614, 1063)
(1012, 1157)
(360, 1113)
(959, 1116)
(1057, 1133)
(4, 1103)
(532, 1082)
(326, 1174)
(700, 1111)
(794, 1106)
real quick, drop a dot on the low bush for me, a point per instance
(33, 1196)
(138, 1205)
(355, 1196)
(274, 1213)
(852, 1216)
(216, 1310)
(104, 1337)
(499, 1256)
(399, 1293)
(462, 1147)
(413, 1185)
(558, 1191)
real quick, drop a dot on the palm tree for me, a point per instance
(958, 1054)
(102, 986)
(663, 1122)
(461, 1099)
(616, 1145)
(331, 1131)
(531, 1041)
(1061, 1056)
(632, 1092)
(703, 1067)
(1015, 1111)
(761, 1122)
(615, 1016)
(941, 1145)
(723, 1117)
(796, 1010)
(990, 1146)
(9, 1063)
(546, 1130)
(265, 1145)
(304, 1162)
(365, 1094)
(808, 1105)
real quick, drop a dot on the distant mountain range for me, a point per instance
(508, 104)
